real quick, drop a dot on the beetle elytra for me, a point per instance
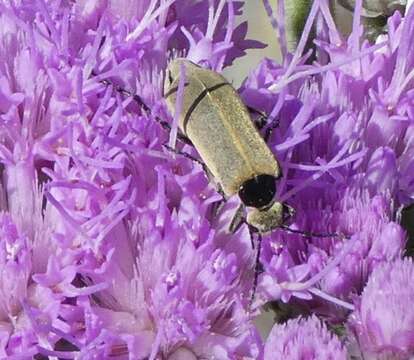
(218, 124)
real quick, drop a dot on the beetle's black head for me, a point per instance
(258, 192)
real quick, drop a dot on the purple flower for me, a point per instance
(15, 269)
(112, 246)
(303, 339)
(182, 288)
(383, 320)
(292, 259)
(29, 311)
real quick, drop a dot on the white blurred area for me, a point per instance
(259, 28)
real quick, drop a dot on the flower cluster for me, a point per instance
(303, 339)
(111, 246)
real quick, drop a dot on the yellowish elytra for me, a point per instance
(218, 124)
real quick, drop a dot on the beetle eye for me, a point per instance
(259, 191)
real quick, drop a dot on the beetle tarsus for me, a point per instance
(274, 123)
(262, 117)
(263, 122)
(185, 154)
(238, 220)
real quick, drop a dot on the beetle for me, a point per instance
(217, 122)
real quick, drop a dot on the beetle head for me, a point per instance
(270, 218)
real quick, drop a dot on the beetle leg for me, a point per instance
(216, 208)
(141, 103)
(260, 122)
(238, 220)
(255, 111)
(180, 136)
(187, 155)
(210, 177)
(218, 187)
(263, 122)
(164, 124)
(269, 129)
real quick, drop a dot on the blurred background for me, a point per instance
(259, 28)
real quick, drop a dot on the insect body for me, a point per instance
(217, 122)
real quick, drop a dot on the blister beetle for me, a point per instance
(219, 125)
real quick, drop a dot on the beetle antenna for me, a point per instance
(125, 92)
(256, 267)
(312, 234)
